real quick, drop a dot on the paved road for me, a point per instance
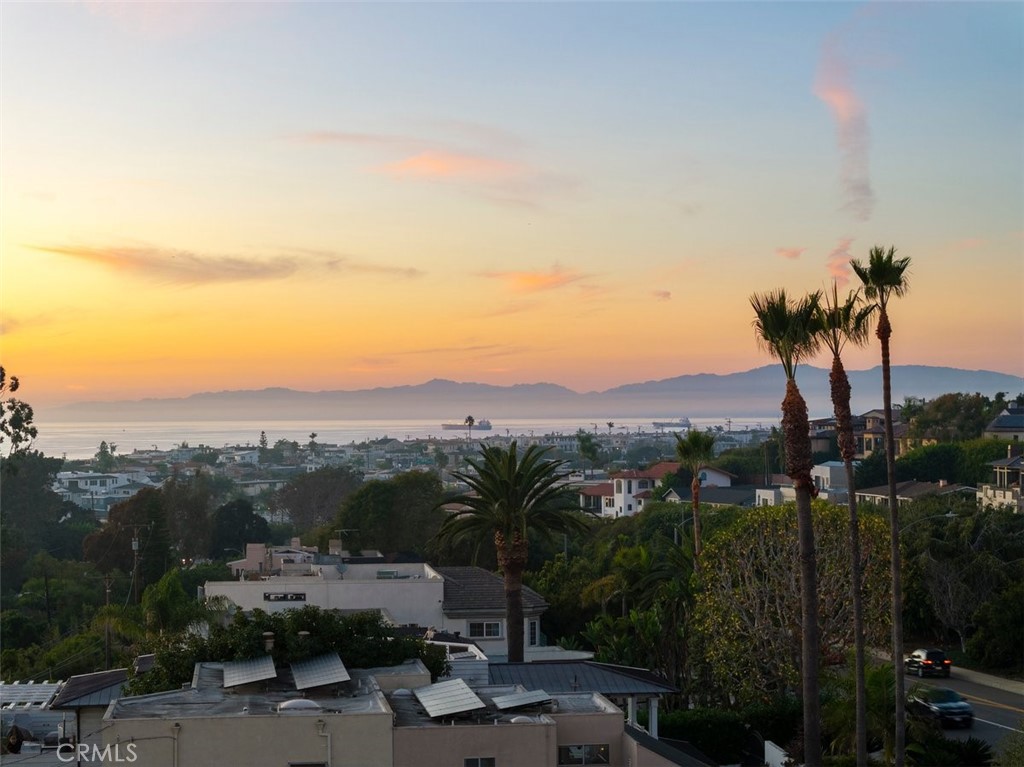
(998, 703)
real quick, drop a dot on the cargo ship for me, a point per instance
(680, 423)
(481, 425)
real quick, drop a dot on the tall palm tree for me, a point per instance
(784, 327)
(512, 495)
(693, 452)
(884, 276)
(840, 322)
(470, 422)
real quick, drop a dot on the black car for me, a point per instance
(927, 662)
(942, 704)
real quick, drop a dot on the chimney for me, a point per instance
(943, 482)
(268, 640)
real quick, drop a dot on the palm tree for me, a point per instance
(839, 323)
(785, 329)
(470, 421)
(885, 276)
(693, 452)
(588, 447)
(512, 495)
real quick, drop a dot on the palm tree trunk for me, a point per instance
(840, 385)
(695, 497)
(884, 331)
(512, 560)
(798, 452)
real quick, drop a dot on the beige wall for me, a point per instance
(357, 740)
(582, 729)
(512, 745)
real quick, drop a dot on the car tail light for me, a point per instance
(927, 662)
(948, 662)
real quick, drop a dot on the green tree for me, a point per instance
(105, 456)
(188, 503)
(695, 450)
(313, 499)
(750, 600)
(235, 524)
(15, 418)
(512, 495)
(884, 277)
(400, 514)
(166, 606)
(785, 329)
(838, 323)
(588, 447)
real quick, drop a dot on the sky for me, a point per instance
(319, 195)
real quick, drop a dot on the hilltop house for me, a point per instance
(1005, 490)
(468, 601)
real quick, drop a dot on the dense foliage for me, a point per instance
(364, 640)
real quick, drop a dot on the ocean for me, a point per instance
(77, 440)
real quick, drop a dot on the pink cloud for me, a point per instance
(533, 282)
(189, 268)
(834, 86)
(440, 164)
(838, 262)
(790, 253)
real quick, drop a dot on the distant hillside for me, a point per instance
(754, 393)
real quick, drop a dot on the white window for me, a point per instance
(485, 629)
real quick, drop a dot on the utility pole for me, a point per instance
(106, 640)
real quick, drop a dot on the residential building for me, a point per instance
(250, 712)
(99, 491)
(1005, 490)
(909, 491)
(632, 488)
(468, 601)
(1008, 425)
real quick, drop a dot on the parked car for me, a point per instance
(927, 662)
(942, 704)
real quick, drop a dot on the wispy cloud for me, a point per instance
(185, 267)
(487, 170)
(533, 282)
(834, 86)
(662, 295)
(449, 165)
(790, 253)
(838, 262)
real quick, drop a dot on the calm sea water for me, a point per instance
(82, 439)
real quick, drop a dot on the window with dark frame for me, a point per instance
(485, 629)
(592, 753)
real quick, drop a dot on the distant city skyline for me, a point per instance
(342, 196)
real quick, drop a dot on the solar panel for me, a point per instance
(28, 694)
(244, 671)
(446, 698)
(323, 669)
(520, 699)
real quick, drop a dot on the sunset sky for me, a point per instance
(199, 197)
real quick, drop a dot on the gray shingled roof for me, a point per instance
(580, 676)
(96, 689)
(468, 589)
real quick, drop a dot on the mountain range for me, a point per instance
(754, 393)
